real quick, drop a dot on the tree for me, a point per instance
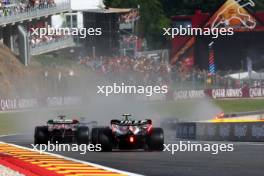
(152, 19)
(155, 14)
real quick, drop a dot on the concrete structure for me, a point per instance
(13, 27)
(227, 51)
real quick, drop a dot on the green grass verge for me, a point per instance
(227, 106)
(179, 109)
(15, 122)
(240, 105)
(7, 123)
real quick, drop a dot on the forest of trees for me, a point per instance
(155, 14)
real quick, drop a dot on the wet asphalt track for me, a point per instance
(246, 160)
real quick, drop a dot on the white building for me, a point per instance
(76, 16)
(78, 5)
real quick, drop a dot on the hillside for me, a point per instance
(10, 70)
(17, 80)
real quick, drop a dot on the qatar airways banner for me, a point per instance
(188, 94)
(217, 93)
(14, 104)
(18, 103)
(235, 93)
(256, 92)
(226, 93)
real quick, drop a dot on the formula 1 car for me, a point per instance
(129, 134)
(63, 130)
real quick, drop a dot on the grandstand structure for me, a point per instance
(119, 35)
(16, 19)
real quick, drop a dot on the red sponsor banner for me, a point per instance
(256, 92)
(226, 93)
(188, 94)
(217, 93)
(235, 93)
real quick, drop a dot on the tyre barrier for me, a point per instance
(244, 131)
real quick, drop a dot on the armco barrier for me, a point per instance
(244, 131)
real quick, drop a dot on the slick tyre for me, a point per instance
(104, 138)
(41, 135)
(156, 140)
(82, 135)
(95, 136)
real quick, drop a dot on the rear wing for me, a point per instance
(131, 122)
(62, 121)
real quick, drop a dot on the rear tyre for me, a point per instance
(41, 135)
(105, 139)
(156, 139)
(94, 135)
(82, 136)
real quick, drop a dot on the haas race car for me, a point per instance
(63, 130)
(128, 134)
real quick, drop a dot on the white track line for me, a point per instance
(234, 142)
(79, 161)
(7, 135)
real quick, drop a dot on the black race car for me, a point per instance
(128, 134)
(63, 130)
